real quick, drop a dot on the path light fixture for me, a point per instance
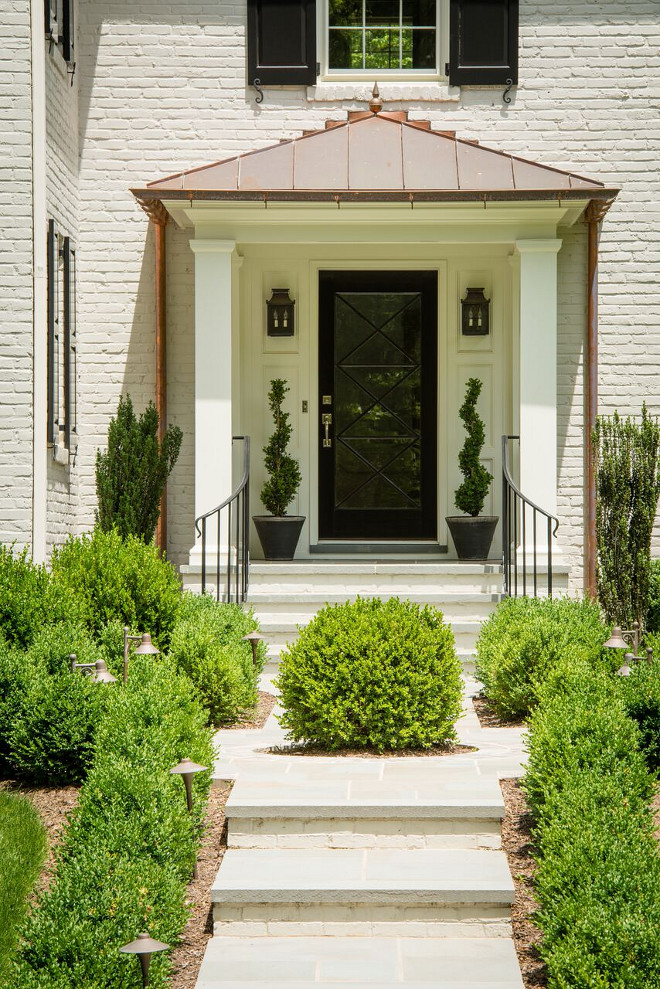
(254, 638)
(144, 947)
(187, 769)
(146, 647)
(622, 638)
(98, 671)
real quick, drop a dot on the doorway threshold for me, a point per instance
(385, 548)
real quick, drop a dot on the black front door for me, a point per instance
(377, 395)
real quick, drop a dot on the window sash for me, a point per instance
(364, 28)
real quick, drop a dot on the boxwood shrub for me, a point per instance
(127, 856)
(108, 579)
(525, 638)
(207, 645)
(23, 596)
(640, 693)
(372, 674)
(598, 865)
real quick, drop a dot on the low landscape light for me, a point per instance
(145, 648)
(144, 947)
(626, 669)
(254, 638)
(98, 671)
(616, 640)
(187, 769)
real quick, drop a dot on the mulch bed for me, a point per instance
(53, 805)
(306, 749)
(258, 717)
(488, 718)
(518, 845)
(188, 954)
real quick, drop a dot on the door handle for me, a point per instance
(326, 422)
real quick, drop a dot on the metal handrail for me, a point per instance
(515, 507)
(237, 568)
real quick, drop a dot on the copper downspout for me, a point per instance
(160, 223)
(593, 217)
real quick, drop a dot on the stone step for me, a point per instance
(400, 805)
(274, 650)
(376, 578)
(278, 630)
(337, 962)
(454, 605)
(419, 892)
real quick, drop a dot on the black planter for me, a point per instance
(279, 536)
(472, 536)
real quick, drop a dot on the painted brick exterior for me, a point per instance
(15, 275)
(161, 87)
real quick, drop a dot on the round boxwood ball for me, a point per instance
(372, 674)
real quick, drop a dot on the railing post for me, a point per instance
(505, 519)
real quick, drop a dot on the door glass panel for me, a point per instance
(377, 400)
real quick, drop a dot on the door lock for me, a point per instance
(326, 421)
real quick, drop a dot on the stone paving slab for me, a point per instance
(276, 875)
(305, 962)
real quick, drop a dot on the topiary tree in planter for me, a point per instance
(473, 535)
(278, 531)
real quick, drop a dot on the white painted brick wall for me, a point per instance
(15, 274)
(162, 87)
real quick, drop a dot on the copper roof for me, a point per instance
(375, 157)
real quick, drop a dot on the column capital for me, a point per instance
(212, 246)
(550, 245)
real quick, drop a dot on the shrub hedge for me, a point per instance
(128, 853)
(524, 640)
(23, 596)
(372, 674)
(598, 871)
(206, 645)
(108, 579)
(653, 613)
(640, 693)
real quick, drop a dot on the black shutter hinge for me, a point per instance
(318, 68)
(71, 69)
(447, 69)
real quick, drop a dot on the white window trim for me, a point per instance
(386, 75)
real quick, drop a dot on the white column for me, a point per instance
(213, 371)
(538, 371)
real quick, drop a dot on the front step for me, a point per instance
(271, 605)
(375, 578)
(280, 630)
(422, 892)
(383, 962)
(313, 806)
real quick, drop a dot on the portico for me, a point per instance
(378, 193)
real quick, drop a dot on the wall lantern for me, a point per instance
(476, 311)
(280, 313)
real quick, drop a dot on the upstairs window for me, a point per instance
(59, 26)
(383, 36)
(62, 342)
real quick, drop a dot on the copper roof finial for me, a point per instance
(375, 103)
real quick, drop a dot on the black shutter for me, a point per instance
(68, 305)
(50, 19)
(51, 275)
(282, 42)
(483, 47)
(66, 36)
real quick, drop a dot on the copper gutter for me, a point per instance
(159, 219)
(593, 217)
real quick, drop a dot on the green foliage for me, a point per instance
(525, 639)
(598, 865)
(284, 473)
(127, 856)
(206, 645)
(132, 473)
(23, 596)
(583, 726)
(640, 693)
(14, 677)
(372, 674)
(652, 623)
(124, 581)
(22, 851)
(628, 487)
(471, 494)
